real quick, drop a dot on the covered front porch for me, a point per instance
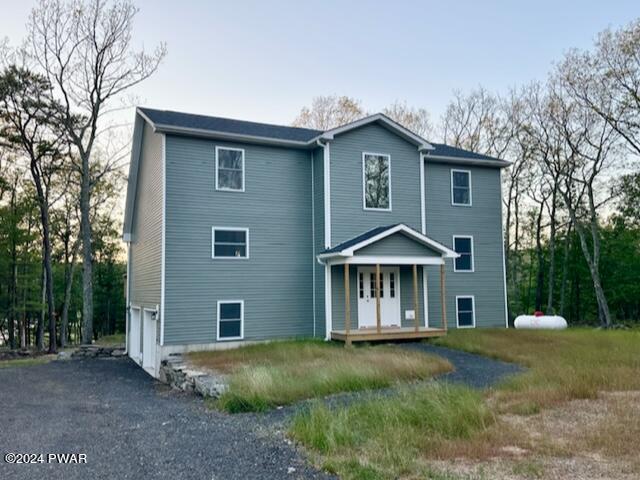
(379, 286)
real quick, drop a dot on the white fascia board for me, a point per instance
(386, 260)
(447, 252)
(378, 117)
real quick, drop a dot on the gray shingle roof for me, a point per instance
(169, 118)
(228, 125)
(443, 150)
(360, 238)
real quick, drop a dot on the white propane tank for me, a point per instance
(552, 322)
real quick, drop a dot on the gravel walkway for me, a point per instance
(472, 370)
(131, 427)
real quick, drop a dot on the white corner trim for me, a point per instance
(423, 215)
(228, 229)
(364, 182)
(473, 307)
(226, 189)
(473, 255)
(470, 204)
(223, 302)
(326, 148)
(313, 240)
(425, 296)
(327, 302)
(127, 305)
(504, 263)
(163, 270)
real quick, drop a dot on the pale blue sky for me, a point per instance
(263, 60)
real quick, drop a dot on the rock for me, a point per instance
(119, 352)
(291, 470)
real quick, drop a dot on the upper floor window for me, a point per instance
(230, 169)
(376, 179)
(230, 242)
(464, 246)
(461, 187)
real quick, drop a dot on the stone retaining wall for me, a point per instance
(178, 374)
(94, 351)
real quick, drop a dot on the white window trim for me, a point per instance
(473, 316)
(228, 229)
(457, 170)
(364, 184)
(226, 189)
(473, 257)
(224, 339)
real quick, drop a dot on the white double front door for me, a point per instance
(389, 296)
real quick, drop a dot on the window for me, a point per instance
(392, 285)
(464, 246)
(376, 179)
(230, 242)
(230, 319)
(361, 285)
(465, 312)
(372, 285)
(230, 169)
(461, 187)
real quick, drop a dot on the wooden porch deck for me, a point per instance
(386, 333)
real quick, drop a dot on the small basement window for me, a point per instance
(230, 242)
(230, 319)
(464, 246)
(230, 169)
(465, 311)
(461, 187)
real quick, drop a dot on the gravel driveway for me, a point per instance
(131, 427)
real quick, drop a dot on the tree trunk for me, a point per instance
(40, 324)
(43, 203)
(69, 273)
(13, 282)
(565, 269)
(552, 251)
(87, 260)
(540, 257)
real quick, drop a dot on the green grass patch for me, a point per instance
(25, 362)
(279, 373)
(111, 340)
(385, 437)
(563, 365)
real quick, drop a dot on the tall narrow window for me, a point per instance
(461, 187)
(230, 319)
(465, 312)
(464, 246)
(392, 285)
(376, 175)
(230, 169)
(230, 242)
(372, 281)
(361, 285)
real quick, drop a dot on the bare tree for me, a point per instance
(84, 49)
(607, 80)
(417, 120)
(590, 150)
(327, 112)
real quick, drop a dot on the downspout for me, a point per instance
(327, 235)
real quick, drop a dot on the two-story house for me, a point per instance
(240, 231)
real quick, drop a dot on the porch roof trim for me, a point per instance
(347, 249)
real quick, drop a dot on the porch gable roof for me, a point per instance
(349, 247)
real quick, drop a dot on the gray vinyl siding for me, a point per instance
(348, 217)
(276, 281)
(406, 295)
(318, 218)
(146, 245)
(397, 244)
(483, 221)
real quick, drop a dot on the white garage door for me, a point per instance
(149, 342)
(134, 334)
